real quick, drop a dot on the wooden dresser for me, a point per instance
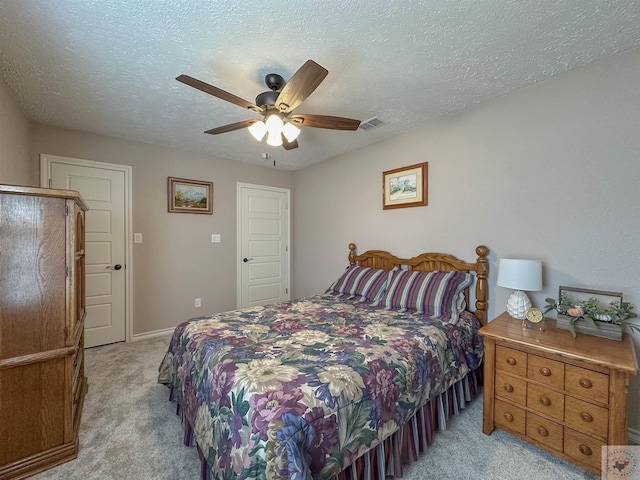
(42, 310)
(566, 395)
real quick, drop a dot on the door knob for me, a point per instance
(245, 259)
(117, 266)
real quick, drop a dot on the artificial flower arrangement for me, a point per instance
(615, 313)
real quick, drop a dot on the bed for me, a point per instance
(348, 384)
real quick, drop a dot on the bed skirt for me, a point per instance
(401, 448)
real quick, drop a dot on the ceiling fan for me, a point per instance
(280, 124)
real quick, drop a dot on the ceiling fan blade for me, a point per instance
(287, 144)
(300, 86)
(231, 127)
(217, 92)
(324, 121)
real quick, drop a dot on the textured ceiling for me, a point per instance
(109, 66)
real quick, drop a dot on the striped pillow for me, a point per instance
(367, 284)
(437, 294)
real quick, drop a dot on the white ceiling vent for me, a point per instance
(371, 123)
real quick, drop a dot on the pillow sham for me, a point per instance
(362, 283)
(437, 294)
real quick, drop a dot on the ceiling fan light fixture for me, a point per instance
(290, 131)
(274, 124)
(274, 139)
(257, 130)
(277, 106)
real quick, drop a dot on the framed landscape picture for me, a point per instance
(405, 187)
(190, 196)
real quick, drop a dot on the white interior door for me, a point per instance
(104, 190)
(263, 245)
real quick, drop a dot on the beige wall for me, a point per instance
(176, 261)
(548, 172)
(14, 142)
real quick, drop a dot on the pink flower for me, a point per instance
(272, 405)
(405, 345)
(348, 331)
(575, 311)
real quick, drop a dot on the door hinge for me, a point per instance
(49, 183)
(286, 290)
(66, 271)
(286, 248)
(66, 209)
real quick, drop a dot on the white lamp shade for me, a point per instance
(274, 139)
(257, 130)
(520, 274)
(290, 131)
(274, 125)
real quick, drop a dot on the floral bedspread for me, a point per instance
(300, 389)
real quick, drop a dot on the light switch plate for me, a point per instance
(137, 238)
(215, 238)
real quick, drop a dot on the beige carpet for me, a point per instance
(129, 431)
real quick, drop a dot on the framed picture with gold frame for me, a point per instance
(405, 187)
(190, 196)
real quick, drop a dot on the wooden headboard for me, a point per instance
(429, 262)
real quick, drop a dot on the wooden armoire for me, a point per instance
(42, 310)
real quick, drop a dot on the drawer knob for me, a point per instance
(511, 361)
(545, 371)
(585, 450)
(543, 431)
(509, 417)
(586, 417)
(545, 401)
(508, 387)
(585, 383)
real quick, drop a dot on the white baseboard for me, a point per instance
(155, 333)
(634, 436)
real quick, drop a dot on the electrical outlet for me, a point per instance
(198, 303)
(215, 238)
(137, 238)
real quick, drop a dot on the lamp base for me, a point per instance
(518, 304)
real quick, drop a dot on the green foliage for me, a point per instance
(619, 312)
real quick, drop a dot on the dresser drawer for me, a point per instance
(512, 361)
(544, 431)
(587, 418)
(587, 383)
(582, 448)
(543, 370)
(575, 389)
(509, 417)
(513, 388)
(545, 401)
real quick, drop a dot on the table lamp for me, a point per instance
(520, 275)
